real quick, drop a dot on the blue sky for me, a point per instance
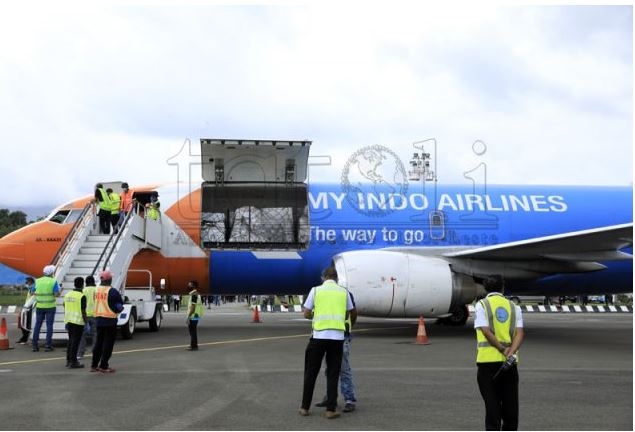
(110, 92)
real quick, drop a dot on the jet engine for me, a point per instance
(389, 283)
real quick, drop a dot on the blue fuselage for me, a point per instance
(373, 217)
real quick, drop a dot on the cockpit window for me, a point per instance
(73, 216)
(59, 216)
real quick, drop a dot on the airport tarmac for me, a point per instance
(576, 373)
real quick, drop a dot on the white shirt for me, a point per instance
(480, 318)
(327, 334)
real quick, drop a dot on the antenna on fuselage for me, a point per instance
(423, 168)
(421, 163)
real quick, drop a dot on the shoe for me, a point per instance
(106, 370)
(21, 342)
(68, 364)
(48, 349)
(76, 366)
(349, 407)
(95, 369)
(304, 412)
(331, 414)
(321, 404)
(35, 349)
(191, 349)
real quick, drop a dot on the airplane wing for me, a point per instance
(579, 251)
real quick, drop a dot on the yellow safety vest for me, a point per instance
(105, 203)
(73, 308)
(115, 201)
(329, 312)
(501, 315)
(89, 292)
(198, 308)
(101, 303)
(44, 292)
(153, 211)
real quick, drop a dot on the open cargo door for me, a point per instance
(254, 194)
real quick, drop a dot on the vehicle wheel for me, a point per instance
(157, 318)
(515, 300)
(459, 316)
(127, 330)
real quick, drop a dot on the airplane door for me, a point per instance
(254, 194)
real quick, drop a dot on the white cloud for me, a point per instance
(110, 92)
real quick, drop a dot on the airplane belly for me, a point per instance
(260, 273)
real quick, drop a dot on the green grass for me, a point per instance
(9, 299)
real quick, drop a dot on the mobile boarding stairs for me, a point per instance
(85, 252)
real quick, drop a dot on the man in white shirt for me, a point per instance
(499, 334)
(328, 306)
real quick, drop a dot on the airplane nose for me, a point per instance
(12, 251)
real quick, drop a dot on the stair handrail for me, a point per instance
(76, 232)
(72, 234)
(110, 250)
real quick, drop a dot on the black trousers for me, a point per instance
(114, 221)
(102, 348)
(500, 396)
(104, 221)
(315, 352)
(75, 332)
(193, 336)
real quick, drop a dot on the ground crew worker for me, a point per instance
(194, 313)
(103, 200)
(45, 290)
(153, 207)
(90, 328)
(499, 334)
(29, 302)
(115, 202)
(126, 203)
(74, 318)
(347, 387)
(328, 305)
(108, 304)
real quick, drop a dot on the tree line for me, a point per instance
(11, 221)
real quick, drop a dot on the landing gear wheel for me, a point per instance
(459, 316)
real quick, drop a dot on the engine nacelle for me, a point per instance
(400, 284)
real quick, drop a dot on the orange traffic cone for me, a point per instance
(256, 318)
(422, 337)
(4, 338)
